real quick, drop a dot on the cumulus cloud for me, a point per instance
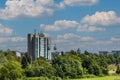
(89, 23)
(17, 39)
(74, 41)
(102, 18)
(79, 2)
(12, 39)
(87, 38)
(87, 28)
(3, 39)
(5, 30)
(115, 39)
(68, 24)
(33, 8)
(68, 36)
(6, 33)
(72, 38)
(60, 25)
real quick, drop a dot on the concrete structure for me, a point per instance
(116, 52)
(105, 53)
(39, 45)
(19, 54)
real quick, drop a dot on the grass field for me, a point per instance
(101, 78)
(97, 78)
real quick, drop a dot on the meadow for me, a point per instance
(101, 78)
(96, 78)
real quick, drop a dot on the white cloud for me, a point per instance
(68, 36)
(87, 38)
(32, 8)
(12, 39)
(6, 33)
(47, 35)
(67, 24)
(73, 41)
(115, 39)
(102, 43)
(89, 23)
(17, 39)
(102, 18)
(72, 38)
(4, 30)
(87, 28)
(3, 39)
(60, 25)
(79, 2)
(109, 42)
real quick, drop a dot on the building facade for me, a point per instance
(105, 53)
(39, 45)
(116, 52)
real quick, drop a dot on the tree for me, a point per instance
(94, 64)
(78, 51)
(3, 59)
(94, 69)
(86, 52)
(26, 60)
(11, 71)
(72, 52)
(68, 65)
(40, 67)
(118, 69)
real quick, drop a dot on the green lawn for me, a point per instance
(97, 78)
(101, 78)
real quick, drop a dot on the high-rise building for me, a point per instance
(39, 45)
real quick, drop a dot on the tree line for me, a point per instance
(72, 64)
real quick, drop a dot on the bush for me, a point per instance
(29, 72)
(118, 69)
(68, 66)
(11, 71)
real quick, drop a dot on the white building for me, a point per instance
(39, 45)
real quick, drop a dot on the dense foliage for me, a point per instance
(67, 66)
(72, 64)
(10, 67)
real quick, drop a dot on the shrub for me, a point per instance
(118, 69)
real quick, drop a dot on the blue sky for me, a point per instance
(91, 25)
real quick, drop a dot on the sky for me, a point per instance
(92, 25)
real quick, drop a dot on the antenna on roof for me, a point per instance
(35, 31)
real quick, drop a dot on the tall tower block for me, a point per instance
(39, 45)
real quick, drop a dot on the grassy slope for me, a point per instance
(101, 78)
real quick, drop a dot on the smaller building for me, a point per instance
(116, 52)
(105, 53)
(19, 54)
